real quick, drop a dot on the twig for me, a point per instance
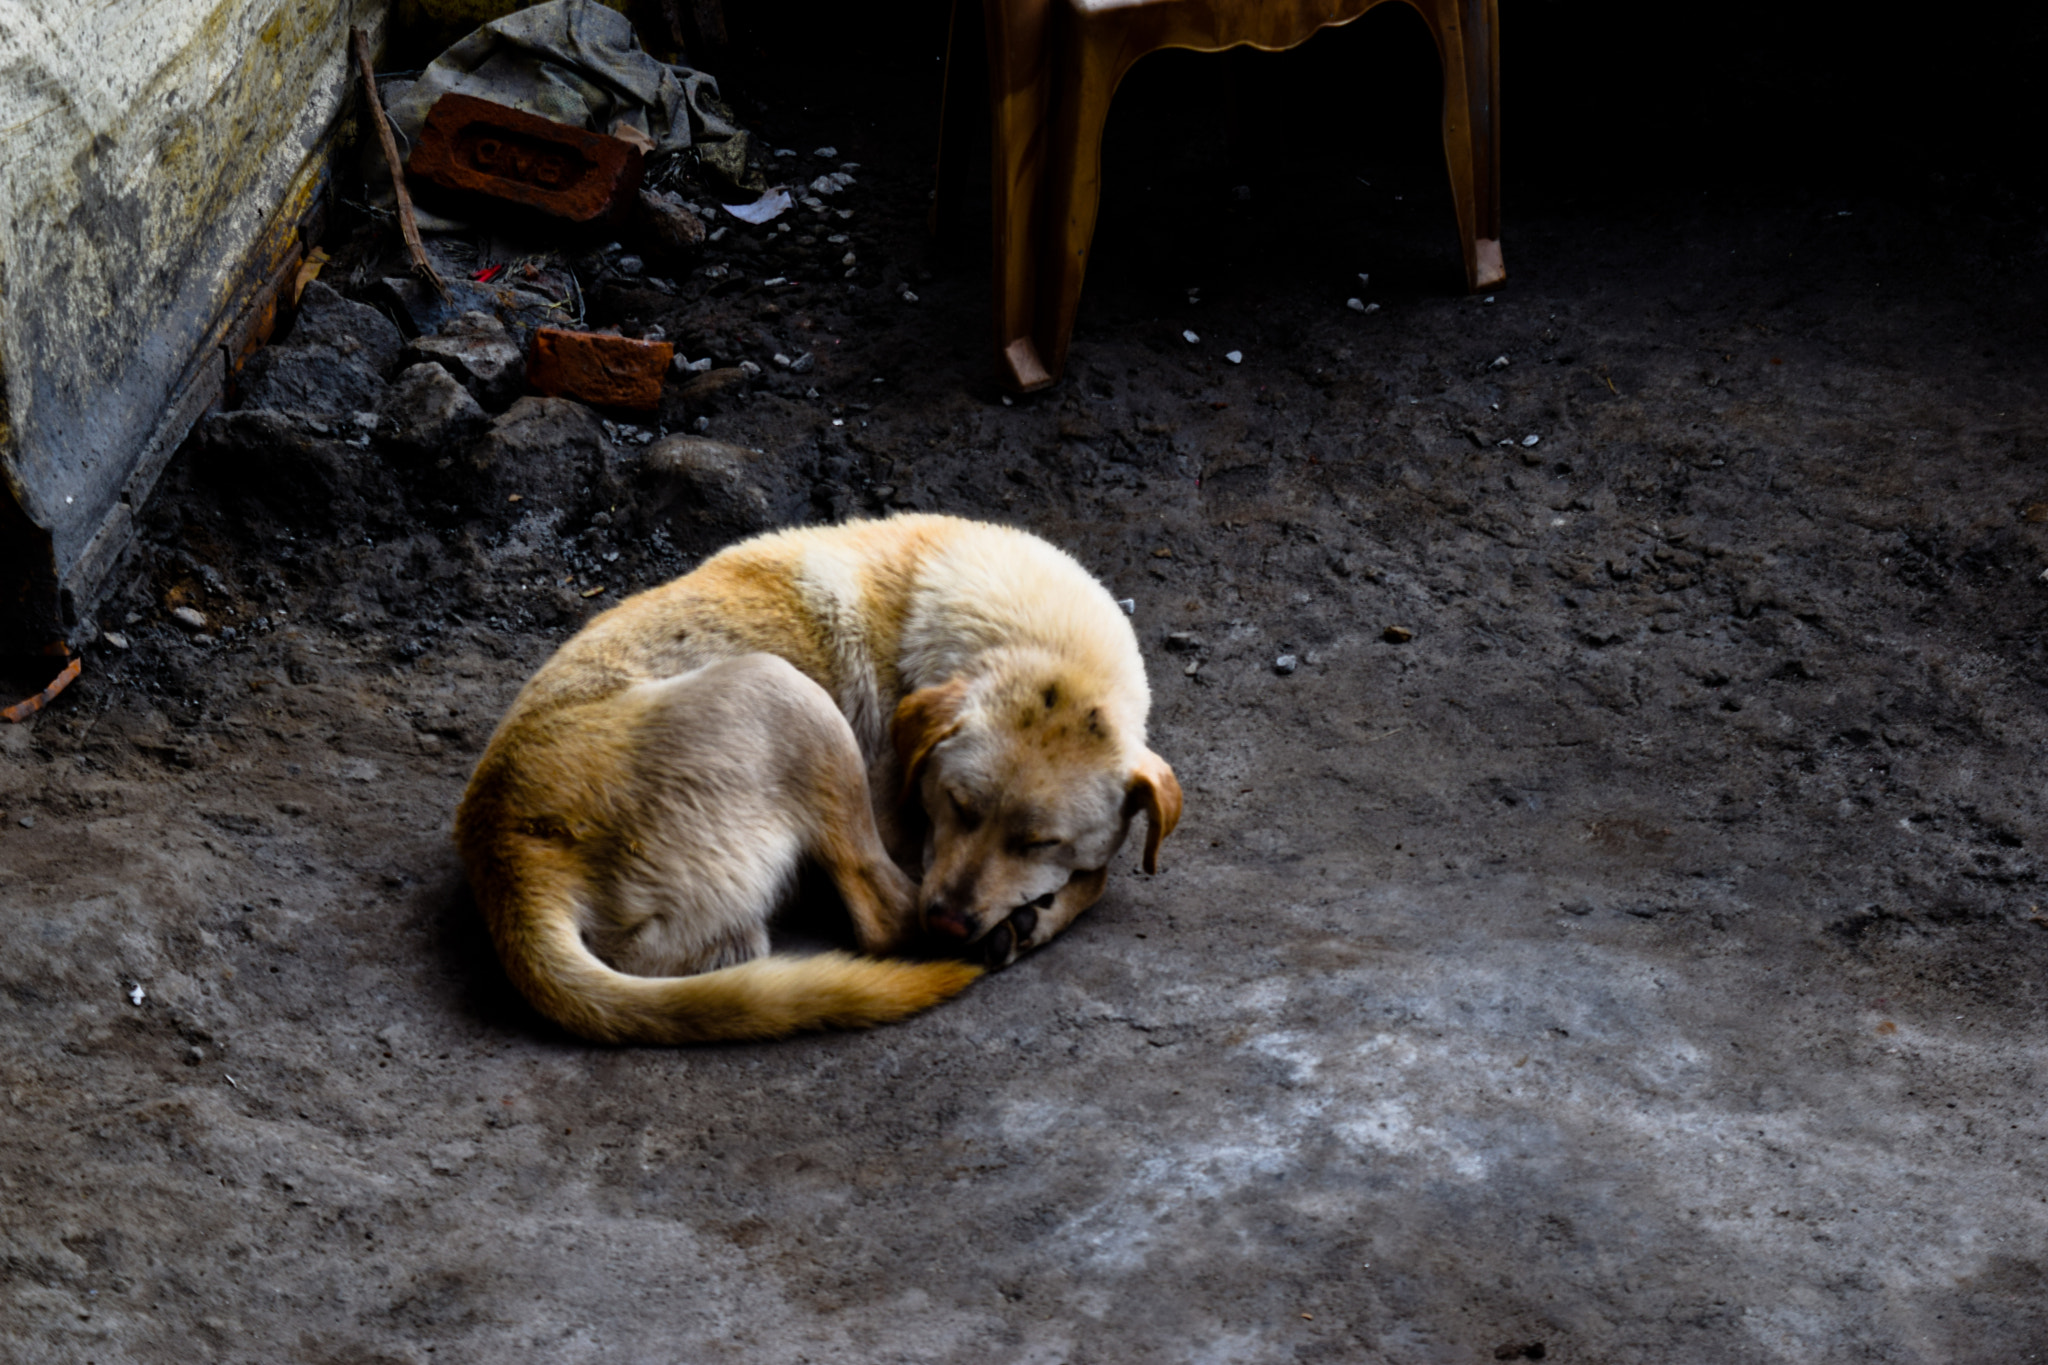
(408, 225)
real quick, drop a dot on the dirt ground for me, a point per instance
(1641, 962)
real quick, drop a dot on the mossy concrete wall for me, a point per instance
(158, 165)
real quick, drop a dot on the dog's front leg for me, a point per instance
(858, 852)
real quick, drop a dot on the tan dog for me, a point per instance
(921, 692)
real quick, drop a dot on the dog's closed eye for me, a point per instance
(964, 813)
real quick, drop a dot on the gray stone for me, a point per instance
(713, 389)
(354, 330)
(552, 452)
(711, 491)
(315, 381)
(429, 412)
(480, 353)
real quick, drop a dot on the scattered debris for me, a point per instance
(1129, 605)
(1397, 635)
(136, 995)
(408, 224)
(1355, 305)
(598, 368)
(1234, 357)
(1500, 362)
(476, 145)
(767, 208)
(28, 706)
(1189, 337)
(1285, 664)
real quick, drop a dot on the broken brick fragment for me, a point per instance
(572, 173)
(598, 368)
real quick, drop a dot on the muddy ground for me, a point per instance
(1642, 962)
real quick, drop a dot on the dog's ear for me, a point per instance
(1154, 787)
(924, 718)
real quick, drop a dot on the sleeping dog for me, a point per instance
(947, 716)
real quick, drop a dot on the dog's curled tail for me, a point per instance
(769, 997)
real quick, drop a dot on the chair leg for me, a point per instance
(957, 120)
(1089, 72)
(1020, 73)
(1467, 37)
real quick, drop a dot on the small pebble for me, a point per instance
(1129, 604)
(188, 618)
(1194, 667)
(780, 359)
(136, 995)
(749, 367)
(1189, 337)
(829, 153)
(115, 639)
(772, 281)
(194, 1056)
(1372, 308)
(701, 425)
(909, 297)
(1397, 635)
(1234, 357)
(803, 364)
(1500, 362)
(1364, 279)
(1355, 305)
(1285, 664)
(1531, 440)
(27, 822)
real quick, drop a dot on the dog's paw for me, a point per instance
(1009, 940)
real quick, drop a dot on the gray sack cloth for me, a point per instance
(579, 63)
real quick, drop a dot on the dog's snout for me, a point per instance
(949, 921)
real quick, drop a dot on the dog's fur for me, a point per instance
(916, 693)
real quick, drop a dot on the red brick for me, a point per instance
(598, 368)
(473, 144)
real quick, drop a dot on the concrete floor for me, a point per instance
(1641, 964)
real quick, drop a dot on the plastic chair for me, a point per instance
(1054, 66)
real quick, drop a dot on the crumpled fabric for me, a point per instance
(578, 63)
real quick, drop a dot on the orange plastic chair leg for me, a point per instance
(1091, 66)
(1020, 69)
(1465, 35)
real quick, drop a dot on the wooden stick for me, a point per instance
(408, 225)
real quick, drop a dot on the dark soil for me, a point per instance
(1619, 937)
